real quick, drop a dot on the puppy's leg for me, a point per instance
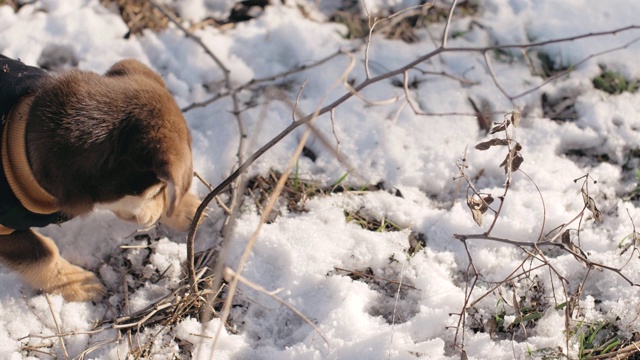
(183, 214)
(39, 263)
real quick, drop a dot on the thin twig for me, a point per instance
(395, 307)
(230, 276)
(360, 273)
(58, 331)
(544, 207)
(265, 79)
(573, 68)
(295, 104)
(245, 255)
(536, 244)
(445, 33)
(494, 77)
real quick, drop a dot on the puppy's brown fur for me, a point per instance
(101, 141)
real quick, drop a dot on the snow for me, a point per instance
(412, 155)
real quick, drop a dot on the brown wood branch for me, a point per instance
(363, 274)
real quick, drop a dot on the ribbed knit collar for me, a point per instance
(16, 164)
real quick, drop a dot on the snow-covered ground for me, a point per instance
(413, 156)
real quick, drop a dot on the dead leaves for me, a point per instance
(514, 158)
(485, 145)
(512, 118)
(590, 204)
(478, 206)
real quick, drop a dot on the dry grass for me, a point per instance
(138, 15)
(403, 26)
(298, 191)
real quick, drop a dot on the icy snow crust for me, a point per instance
(413, 154)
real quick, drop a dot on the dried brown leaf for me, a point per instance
(516, 162)
(493, 142)
(474, 205)
(566, 241)
(483, 114)
(499, 127)
(518, 147)
(591, 205)
(516, 117)
(478, 207)
(477, 216)
(512, 162)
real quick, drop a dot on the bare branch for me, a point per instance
(266, 79)
(445, 33)
(572, 68)
(295, 104)
(537, 244)
(487, 61)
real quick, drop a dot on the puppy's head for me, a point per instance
(116, 142)
(159, 144)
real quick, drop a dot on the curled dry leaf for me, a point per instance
(488, 200)
(591, 205)
(516, 117)
(518, 147)
(493, 142)
(478, 207)
(499, 127)
(513, 160)
(580, 255)
(475, 211)
(516, 162)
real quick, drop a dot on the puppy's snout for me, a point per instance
(143, 219)
(143, 210)
(147, 220)
(125, 216)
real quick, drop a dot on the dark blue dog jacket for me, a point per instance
(16, 81)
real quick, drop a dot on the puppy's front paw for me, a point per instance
(183, 214)
(38, 261)
(71, 281)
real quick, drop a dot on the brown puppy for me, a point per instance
(81, 141)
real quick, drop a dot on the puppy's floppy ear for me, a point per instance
(176, 173)
(168, 176)
(131, 67)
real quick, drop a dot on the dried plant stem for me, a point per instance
(231, 276)
(374, 22)
(266, 79)
(510, 277)
(445, 33)
(395, 307)
(487, 61)
(58, 331)
(544, 207)
(363, 274)
(537, 244)
(573, 67)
